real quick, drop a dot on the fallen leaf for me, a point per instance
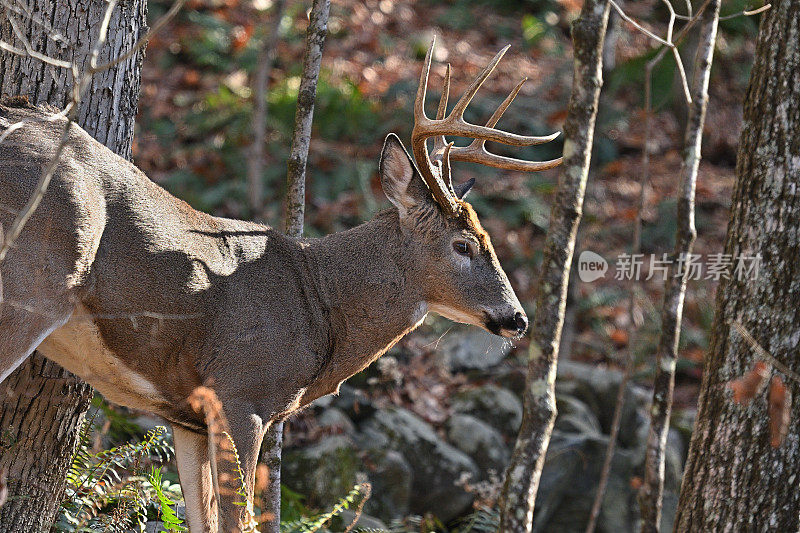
(619, 337)
(780, 407)
(746, 387)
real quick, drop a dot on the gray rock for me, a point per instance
(586, 398)
(346, 518)
(335, 419)
(390, 475)
(323, 472)
(354, 403)
(437, 466)
(496, 406)
(597, 388)
(472, 349)
(569, 480)
(480, 441)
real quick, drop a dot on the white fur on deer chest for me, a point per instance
(78, 347)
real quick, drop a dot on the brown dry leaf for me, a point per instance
(619, 337)
(636, 482)
(557, 116)
(780, 408)
(695, 355)
(746, 387)
(629, 213)
(614, 168)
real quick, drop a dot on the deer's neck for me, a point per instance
(364, 281)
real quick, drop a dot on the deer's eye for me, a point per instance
(462, 248)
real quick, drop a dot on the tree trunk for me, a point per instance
(42, 404)
(539, 408)
(735, 479)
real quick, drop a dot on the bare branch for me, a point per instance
(29, 51)
(668, 42)
(255, 160)
(630, 360)
(26, 13)
(788, 372)
(301, 138)
(638, 26)
(101, 37)
(746, 13)
(651, 493)
(50, 118)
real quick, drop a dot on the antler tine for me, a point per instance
(498, 113)
(472, 90)
(491, 123)
(419, 135)
(418, 138)
(419, 101)
(439, 141)
(446, 177)
(476, 151)
(445, 95)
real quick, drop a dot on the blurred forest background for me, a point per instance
(449, 395)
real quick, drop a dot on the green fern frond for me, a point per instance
(168, 516)
(315, 523)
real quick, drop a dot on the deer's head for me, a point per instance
(463, 279)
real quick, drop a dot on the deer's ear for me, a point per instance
(401, 183)
(463, 189)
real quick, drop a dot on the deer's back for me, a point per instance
(172, 293)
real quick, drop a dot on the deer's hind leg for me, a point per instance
(194, 470)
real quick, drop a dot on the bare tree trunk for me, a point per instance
(42, 404)
(736, 479)
(255, 160)
(524, 471)
(295, 212)
(652, 491)
(307, 93)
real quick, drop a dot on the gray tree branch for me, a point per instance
(651, 493)
(524, 471)
(295, 212)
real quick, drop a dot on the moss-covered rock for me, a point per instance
(437, 467)
(323, 472)
(496, 406)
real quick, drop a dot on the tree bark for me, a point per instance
(539, 408)
(652, 491)
(42, 404)
(735, 480)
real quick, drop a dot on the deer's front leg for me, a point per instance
(194, 469)
(247, 432)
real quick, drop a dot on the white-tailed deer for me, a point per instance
(148, 299)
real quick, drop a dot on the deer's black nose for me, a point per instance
(521, 321)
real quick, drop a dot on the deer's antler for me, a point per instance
(435, 167)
